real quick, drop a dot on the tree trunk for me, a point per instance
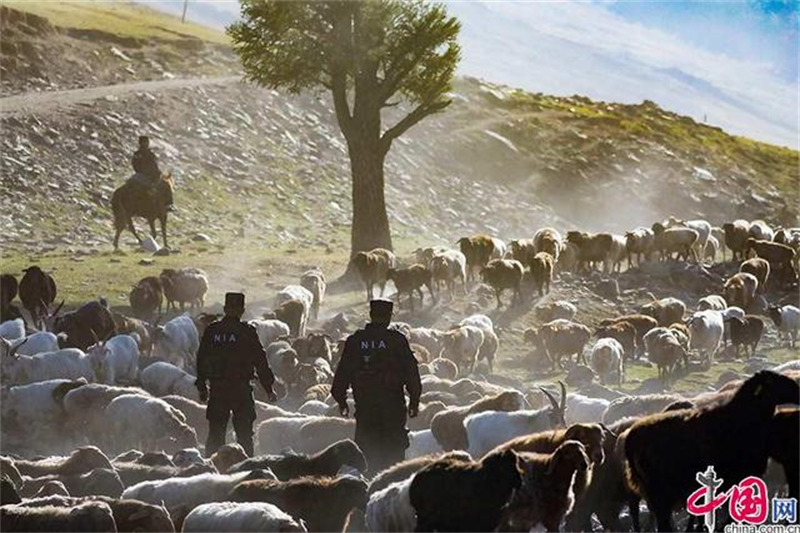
(370, 228)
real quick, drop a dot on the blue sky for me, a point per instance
(735, 63)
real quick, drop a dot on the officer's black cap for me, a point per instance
(143, 138)
(234, 300)
(381, 307)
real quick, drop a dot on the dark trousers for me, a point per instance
(226, 398)
(383, 439)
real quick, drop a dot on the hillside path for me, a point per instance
(36, 102)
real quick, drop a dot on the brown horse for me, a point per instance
(137, 200)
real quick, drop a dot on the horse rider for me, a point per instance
(146, 168)
(229, 352)
(377, 362)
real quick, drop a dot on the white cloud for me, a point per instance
(582, 48)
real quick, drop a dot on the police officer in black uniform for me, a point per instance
(228, 354)
(378, 363)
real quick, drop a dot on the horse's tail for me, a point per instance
(121, 216)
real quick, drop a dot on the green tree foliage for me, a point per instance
(370, 55)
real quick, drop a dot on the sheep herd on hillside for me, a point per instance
(102, 425)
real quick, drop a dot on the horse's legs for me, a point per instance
(163, 221)
(152, 223)
(116, 238)
(133, 230)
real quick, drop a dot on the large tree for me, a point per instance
(370, 54)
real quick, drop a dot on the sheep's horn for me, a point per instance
(13, 351)
(563, 396)
(94, 335)
(55, 313)
(550, 397)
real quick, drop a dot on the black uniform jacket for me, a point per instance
(378, 363)
(230, 351)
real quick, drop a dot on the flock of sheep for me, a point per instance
(102, 425)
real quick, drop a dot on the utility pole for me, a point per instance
(185, 5)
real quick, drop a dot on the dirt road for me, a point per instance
(49, 101)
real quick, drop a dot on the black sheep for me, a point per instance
(37, 291)
(453, 495)
(86, 325)
(665, 451)
(323, 502)
(784, 441)
(747, 331)
(324, 463)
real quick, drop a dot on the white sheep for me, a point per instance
(12, 329)
(500, 249)
(162, 379)
(269, 330)
(707, 328)
(314, 281)
(491, 342)
(296, 292)
(390, 509)
(32, 416)
(189, 492)
(422, 443)
(715, 302)
(116, 360)
(462, 346)
(429, 338)
(449, 266)
(760, 230)
(584, 410)
(730, 312)
(703, 229)
(606, 359)
(240, 516)
(84, 408)
(177, 341)
(39, 342)
(280, 433)
(712, 247)
(69, 363)
(147, 423)
(616, 254)
(314, 408)
(787, 320)
(489, 429)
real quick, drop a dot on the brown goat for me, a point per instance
(560, 338)
(591, 247)
(758, 267)
(373, 267)
(623, 332)
(548, 491)
(478, 250)
(740, 290)
(736, 235)
(408, 280)
(503, 274)
(542, 266)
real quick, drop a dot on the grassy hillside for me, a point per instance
(122, 19)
